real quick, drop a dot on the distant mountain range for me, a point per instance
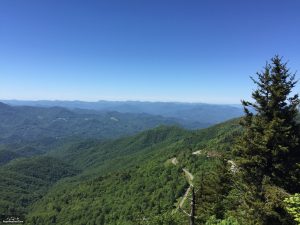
(28, 123)
(33, 128)
(187, 112)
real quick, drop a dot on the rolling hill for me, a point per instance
(142, 179)
(123, 181)
(33, 123)
(186, 112)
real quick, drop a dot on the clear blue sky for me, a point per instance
(166, 50)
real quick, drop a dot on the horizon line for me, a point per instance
(127, 100)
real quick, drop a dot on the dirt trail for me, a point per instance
(189, 178)
(184, 197)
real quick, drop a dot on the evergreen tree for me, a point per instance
(268, 151)
(269, 146)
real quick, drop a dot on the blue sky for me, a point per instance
(154, 50)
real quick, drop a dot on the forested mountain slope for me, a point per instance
(27, 131)
(25, 123)
(132, 179)
(24, 181)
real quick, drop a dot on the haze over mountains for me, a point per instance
(33, 128)
(19, 123)
(202, 113)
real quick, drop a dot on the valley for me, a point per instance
(136, 165)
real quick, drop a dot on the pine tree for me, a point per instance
(268, 151)
(269, 147)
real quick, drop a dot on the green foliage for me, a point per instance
(19, 124)
(270, 144)
(138, 184)
(268, 150)
(293, 206)
(24, 181)
(122, 153)
(165, 218)
(121, 198)
(228, 221)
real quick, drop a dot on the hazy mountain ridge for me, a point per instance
(191, 112)
(28, 123)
